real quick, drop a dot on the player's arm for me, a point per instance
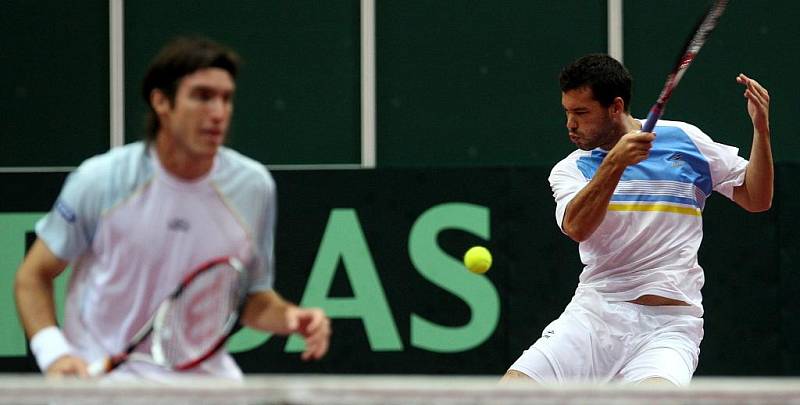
(33, 292)
(270, 312)
(755, 194)
(586, 211)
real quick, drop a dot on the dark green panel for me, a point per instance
(750, 295)
(476, 82)
(741, 294)
(298, 96)
(787, 202)
(757, 38)
(54, 96)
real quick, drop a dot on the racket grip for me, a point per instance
(99, 367)
(652, 117)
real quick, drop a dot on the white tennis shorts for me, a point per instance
(599, 341)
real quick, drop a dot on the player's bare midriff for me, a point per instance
(657, 300)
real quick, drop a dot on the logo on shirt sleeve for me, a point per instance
(65, 211)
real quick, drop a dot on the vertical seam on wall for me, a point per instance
(116, 27)
(615, 37)
(368, 144)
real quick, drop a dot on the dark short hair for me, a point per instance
(180, 57)
(606, 77)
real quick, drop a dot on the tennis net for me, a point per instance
(317, 389)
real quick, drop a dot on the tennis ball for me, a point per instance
(478, 259)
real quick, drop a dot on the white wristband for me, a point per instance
(48, 345)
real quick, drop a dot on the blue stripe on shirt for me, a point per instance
(674, 157)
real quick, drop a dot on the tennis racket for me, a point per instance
(701, 34)
(193, 323)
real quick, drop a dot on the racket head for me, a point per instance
(196, 320)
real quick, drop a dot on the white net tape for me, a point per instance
(302, 389)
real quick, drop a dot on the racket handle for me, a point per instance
(99, 367)
(652, 117)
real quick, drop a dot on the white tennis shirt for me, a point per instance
(132, 231)
(648, 240)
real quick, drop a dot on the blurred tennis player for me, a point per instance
(135, 220)
(633, 201)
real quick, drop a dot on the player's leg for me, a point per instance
(656, 381)
(532, 366)
(668, 351)
(514, 375)
(564, 353)
(660, 365)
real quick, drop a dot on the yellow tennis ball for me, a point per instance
(478, 259)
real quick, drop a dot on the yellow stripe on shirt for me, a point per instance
(655, 207)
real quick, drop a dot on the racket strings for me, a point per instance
(198, 318)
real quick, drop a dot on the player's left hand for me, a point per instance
(314, 326)
(68, 365)
(757, 103)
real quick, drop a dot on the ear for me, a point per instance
(160, 102)
(617, 106)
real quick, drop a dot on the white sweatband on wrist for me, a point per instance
(48, 345)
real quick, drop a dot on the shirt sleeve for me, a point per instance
(264, 267)
(727, 167)
(68, 229)
(566, 180)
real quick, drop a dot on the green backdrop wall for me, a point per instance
(467, 85)
(379, 248)
(458, 82)
(298, 93)
(54, 95)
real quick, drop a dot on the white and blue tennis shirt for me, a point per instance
(132, 231)
(648, 241)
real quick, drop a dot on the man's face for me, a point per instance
(198, 119)
(589, 123)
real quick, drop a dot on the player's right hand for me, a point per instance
(631, 148)
(315, 327)
(68, 366)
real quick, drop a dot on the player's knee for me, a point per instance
(514, 375)
(656, 381)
